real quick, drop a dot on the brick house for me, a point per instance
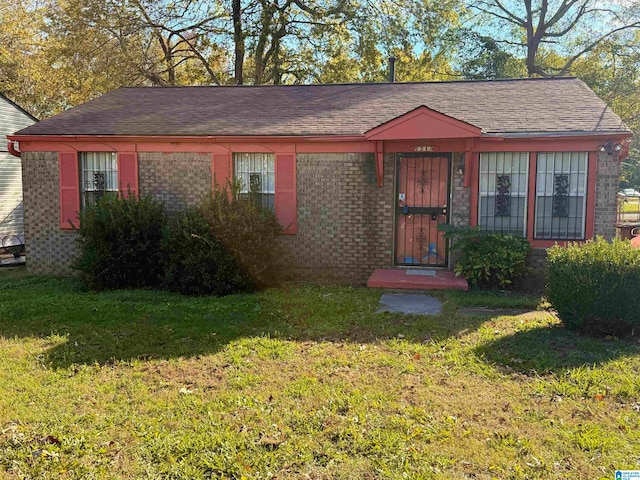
(359, 175)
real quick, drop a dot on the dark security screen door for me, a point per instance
(422, 204)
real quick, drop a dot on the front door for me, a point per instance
(422, 204)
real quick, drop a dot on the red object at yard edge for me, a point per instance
(635, 242)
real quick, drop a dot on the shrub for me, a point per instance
(248, 232)
(594, 286)
(120, 242)
(228, 244)
(489, 260)
(196, 262)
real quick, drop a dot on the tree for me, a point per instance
(482, 58)
(421, 34)
(164, 43)
(613, 72)
(572, 27)
(22, 65)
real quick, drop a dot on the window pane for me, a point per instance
(98, 174)
(502, 202)
(255, 171)
(560, 195)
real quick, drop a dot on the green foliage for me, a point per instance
(247, 231)
(228, 244)
(482, 58)
(488, 260)
(593, 286)
(196, 261)
(120, 242)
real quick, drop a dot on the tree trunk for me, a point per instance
(238, 41)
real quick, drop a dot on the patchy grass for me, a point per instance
(306, 382)
(494, 299)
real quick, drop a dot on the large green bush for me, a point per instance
(489, 260)
(196, 262)
(594, 286)
(248, 231)
(120, 242)
(229, 243)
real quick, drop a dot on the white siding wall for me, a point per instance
(12, 119)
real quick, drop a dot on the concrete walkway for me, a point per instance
(410, 303)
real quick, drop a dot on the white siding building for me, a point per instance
(12, 119)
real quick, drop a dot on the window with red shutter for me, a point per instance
(98, 176)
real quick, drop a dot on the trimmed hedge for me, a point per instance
(120, 242)
(594, 286)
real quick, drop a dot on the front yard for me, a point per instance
(305, 382)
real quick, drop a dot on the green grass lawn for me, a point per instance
(631, 205)
(304, 382)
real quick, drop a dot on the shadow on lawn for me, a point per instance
(553, 349)
(88, 328)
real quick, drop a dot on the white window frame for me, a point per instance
(539, 185)
(91, 163)
(247, 164)
(486, 156)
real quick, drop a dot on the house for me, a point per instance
(12, 118)
(359, 175)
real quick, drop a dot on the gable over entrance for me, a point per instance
(423, 123)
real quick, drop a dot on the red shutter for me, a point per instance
(128, 173)
(286, 192)
(221, 173)
(69, 190)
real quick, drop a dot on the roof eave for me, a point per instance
(298, 138)
(556, 135)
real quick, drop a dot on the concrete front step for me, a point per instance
(416, 279)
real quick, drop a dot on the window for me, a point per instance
(561, 184)
(98, 174)
(256, 174)
(502, 201)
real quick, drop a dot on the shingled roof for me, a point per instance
(560, 106)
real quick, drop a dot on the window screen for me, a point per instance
(98, 175)
(256, 174)
(561, 185)
(502, 202)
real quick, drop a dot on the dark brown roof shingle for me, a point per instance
(528, 106)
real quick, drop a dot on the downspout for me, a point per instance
(12, 149)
